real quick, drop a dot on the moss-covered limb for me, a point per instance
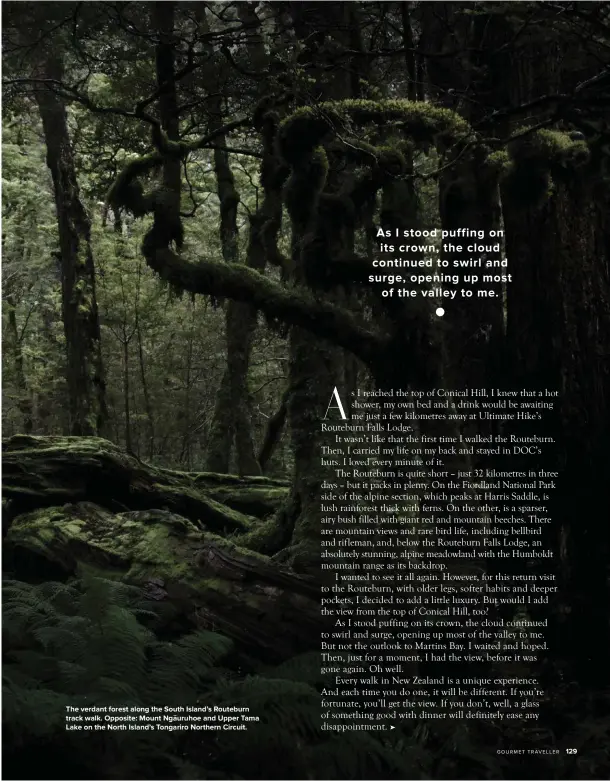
(45, 471)
(268, 538)
(212, 480)
(206, 580)
(550, 148)
(250, 500)
(421, 122)
(122, 194)
(287, 305)
(125, 192)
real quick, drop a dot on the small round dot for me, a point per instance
(440, 311)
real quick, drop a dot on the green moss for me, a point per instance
(234, 546)
(222, 513)
(499, 162)
(69, 535)
(303, 131)
(143, 543)
(391, 160)
(422, 123)
(252, 500)
(74, 527)
(549, 149)
(212, 584)
(266, 538)
(27, 443)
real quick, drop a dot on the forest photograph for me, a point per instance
(192, 199)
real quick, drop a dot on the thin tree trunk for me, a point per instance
(147, 405)
(409, 47)
(240, 319)
(128, 442)
(24, 401)
(185, 455)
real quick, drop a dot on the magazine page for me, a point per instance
(306, 380)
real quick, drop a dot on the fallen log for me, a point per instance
(208, 582)
(49, 471)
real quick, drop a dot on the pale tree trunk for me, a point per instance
(24, 399)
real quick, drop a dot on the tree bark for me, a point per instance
(163, 20)
(150, 419)
(560, 263)
(85, 371)
(274, 431)
(220, 438)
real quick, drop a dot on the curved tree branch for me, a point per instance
(291, 306)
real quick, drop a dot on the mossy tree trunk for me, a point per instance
(560, 262)
(316, 367)
(220, 437)
(84, 371)
(163, 21)
(232, 422)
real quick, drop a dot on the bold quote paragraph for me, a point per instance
(440, 264)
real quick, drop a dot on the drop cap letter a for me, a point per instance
(337, 398)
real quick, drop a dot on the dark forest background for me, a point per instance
(191, 197)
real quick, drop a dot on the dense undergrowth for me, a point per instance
(91, 641)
